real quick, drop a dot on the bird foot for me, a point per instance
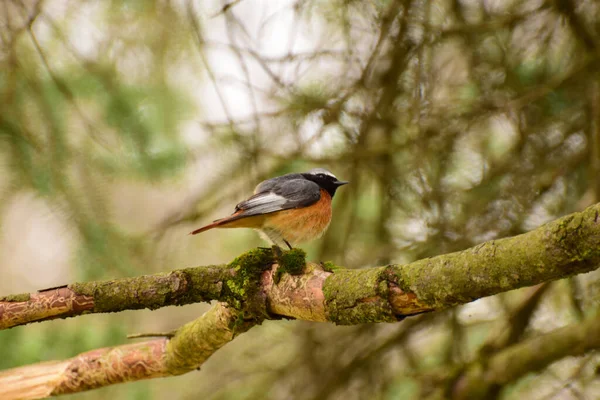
(277, 252)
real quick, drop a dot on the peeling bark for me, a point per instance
(190, 346)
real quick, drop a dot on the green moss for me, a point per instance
(242, 291)
(253, 260)
(329, 266)
(556, 250)
(358, 296)
(16, 298)
(186, 286)
(199, 284)
(241, 321)
(292, 262)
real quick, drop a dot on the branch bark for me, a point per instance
(556, 250)
(190, 346)
(253, 286)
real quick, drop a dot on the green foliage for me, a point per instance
(312, 97)
(402, 388)
(105, 251)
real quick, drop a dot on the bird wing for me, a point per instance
(282, 194)
(266, 186)
(273, 195)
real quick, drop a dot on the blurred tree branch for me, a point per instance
(531, 355)
(483, 377)
(253, 292)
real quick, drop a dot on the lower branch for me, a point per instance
(187, 350)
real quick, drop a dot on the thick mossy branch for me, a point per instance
(358, 296)
(383, 294)
(186, 350)
(196, 341)
(99, 368)
(184, 286)
(245, 292)
(256, 286)
(559, 249)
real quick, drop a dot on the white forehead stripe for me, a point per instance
(323, 171)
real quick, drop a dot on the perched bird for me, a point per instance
(290, 209)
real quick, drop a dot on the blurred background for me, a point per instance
(126, 124)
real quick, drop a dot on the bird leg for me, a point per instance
(288, 244)
(277, 253)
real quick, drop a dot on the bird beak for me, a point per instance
(341, 183)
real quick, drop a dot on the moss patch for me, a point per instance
(358, 296)
(16, 298)
(242, 291)
(329, 266)
(185, 286)
(292, 262)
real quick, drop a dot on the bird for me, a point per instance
(292, 209)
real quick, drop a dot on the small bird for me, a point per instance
(290, 209)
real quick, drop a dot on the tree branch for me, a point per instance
(191, 345)
(254, 287)
(556, 250)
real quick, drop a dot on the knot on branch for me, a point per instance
(572, 239)
(360, 296)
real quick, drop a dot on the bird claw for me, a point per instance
(277, 252)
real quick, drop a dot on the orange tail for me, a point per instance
(237, 220)
(207, 227)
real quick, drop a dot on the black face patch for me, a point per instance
(325, 181)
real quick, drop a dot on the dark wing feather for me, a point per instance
(280, 194)
(277, 194)
(266, 186)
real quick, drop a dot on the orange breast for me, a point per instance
(302, 224)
